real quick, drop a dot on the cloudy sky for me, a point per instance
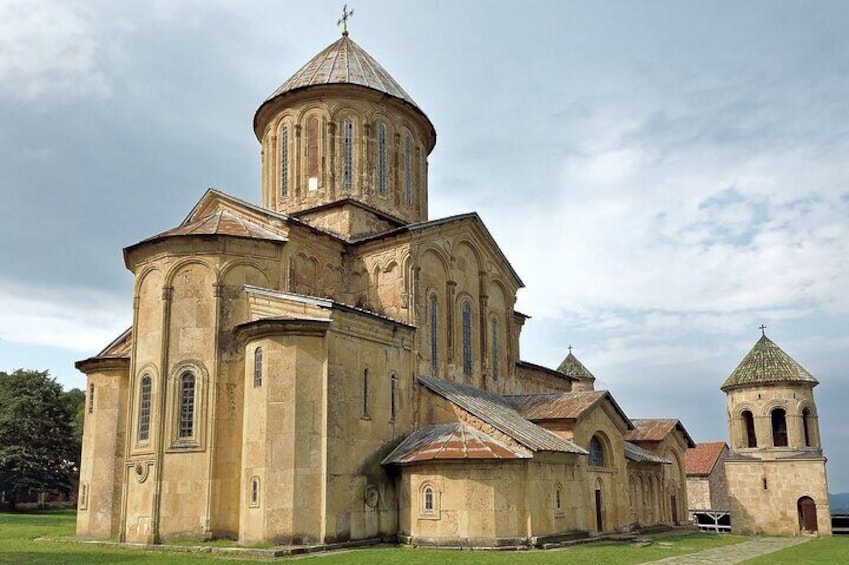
(665, 176)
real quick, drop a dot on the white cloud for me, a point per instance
(77, 320)
(48, 47)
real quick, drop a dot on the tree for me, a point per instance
(37, 447)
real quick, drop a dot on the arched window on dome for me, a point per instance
(382, 160)
(348, 154)
(408, 170)
(434, 332)
(144, 408)
(779, 427)
(749, 437)
(466, 319)
(187, 406)
(312, 154)
(284, 161)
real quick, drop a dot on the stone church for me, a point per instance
(332, 365)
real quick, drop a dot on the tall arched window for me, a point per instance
(144, 408)
(284, 161)
(187, 406)
(408, 170)
(393, 388)
(779, 427)
(382, 160)
(348, 154)
(428, 500)
(467, 338)
(750, 439)
(495, 349)
(806, 426)
(312, 154)
(596, 453)
(258, 367)
(434, 332)
(365, 393)
(254, 494)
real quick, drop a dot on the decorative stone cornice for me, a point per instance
(281, 326)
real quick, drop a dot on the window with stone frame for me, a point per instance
(348, 154)
(91, 398)
(284, 161)
(365, 394)
(466, 320)
(382, 160)
(186, 420)
(779, 427)
(254, 492)
(494, 346)
(408, 171)
(258, 367)
(750, 439)
(145, 392)
(313, 144)
(596, 450)
(393, 391)
(434, 332)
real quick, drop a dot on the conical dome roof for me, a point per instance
(344, 62)
(767, 363)
(574, 368)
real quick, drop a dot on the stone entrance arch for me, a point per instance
(807, 514)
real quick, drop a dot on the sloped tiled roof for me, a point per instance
(637, 454)
(647, 429)
(451, 442)
(700, 460)
(222, 222)
(344, 62)
(565, 405)
(574, 368)
(496, 412)
(766, 363)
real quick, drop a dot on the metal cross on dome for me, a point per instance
(343, 21)
(763, 329)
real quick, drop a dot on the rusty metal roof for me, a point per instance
(767, 363)
(637, 454)
(700, 460)
(454, 441)
(497, 412)
(647, 429)
(563, 405)
(222, 222)
(344, 62)
(572, 367)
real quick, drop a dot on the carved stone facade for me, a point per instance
(333, 366)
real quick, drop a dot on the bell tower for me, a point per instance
(344, 147)
(776, 469)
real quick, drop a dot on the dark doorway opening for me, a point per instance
(807, 514)
(599, 522)
(674, 510)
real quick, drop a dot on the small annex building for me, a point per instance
(707, 487)
(332, 365)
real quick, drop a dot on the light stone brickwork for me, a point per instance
(284, 346)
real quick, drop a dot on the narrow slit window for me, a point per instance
(428, 499)
(393, 389)
(408, 170)
(312, 154)
(347, 154)
(254, 492)
(495, 350)
(284, 161)
(258, 367)
(382, 161)
(434, 332)
(187, 406)
(557, 499)
(144, 408)
(91, 399)
(467, 338)
(365, 393)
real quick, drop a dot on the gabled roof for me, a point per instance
(454, 441)
(496, 412)
(421, 226)
(657, 429)
(562, 405)
(222, 222)
(637, 454)
(574, 368)
(121, 346)
(766, 363)
(542, 368)
(701, 459)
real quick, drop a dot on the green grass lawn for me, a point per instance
(833, 549)
(18, 532)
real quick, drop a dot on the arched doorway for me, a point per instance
(599, 519)
(807, 514)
